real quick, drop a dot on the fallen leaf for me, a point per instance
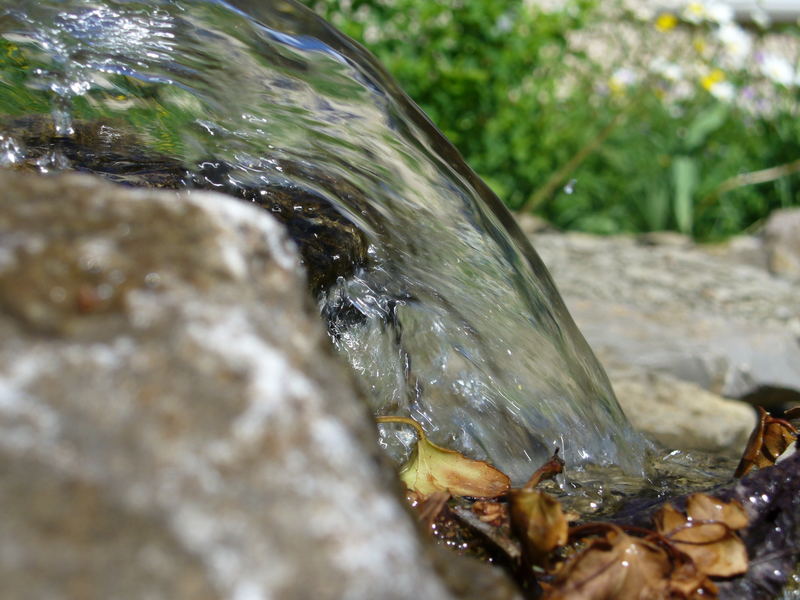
(619, 566)
(430, 507)
(702, 507)
(432, 468)
(613, 567)
(539, 522)
(686, 581)
(769, 439)
(493, 513)
(548, 470)
(778, 436)
(707, 534)
(714, 548)
(668, 519)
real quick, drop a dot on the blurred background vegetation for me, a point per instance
(602, 116)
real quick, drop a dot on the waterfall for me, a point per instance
(432, 294)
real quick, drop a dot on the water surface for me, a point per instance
(448, 317)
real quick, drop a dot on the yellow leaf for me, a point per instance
(432, 468)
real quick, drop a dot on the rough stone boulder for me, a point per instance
(172, 421)
(782, 243)
(666, 316)
(680, 414)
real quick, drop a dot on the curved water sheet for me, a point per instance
(451, 317)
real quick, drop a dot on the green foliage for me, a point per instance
(485, 72)
(532, 109)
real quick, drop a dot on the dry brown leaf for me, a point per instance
(778, 436)
(432, 468)
(668, 519)
(702, 507)
(706, 534)
(686, 581)
(430, 507)
(548, 470)
(617, 566)
(493, 513)
(769, 439)
(539, 522)
(714, 548)
(571, 516)
(621, 566)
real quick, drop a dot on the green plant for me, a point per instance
(599, 117)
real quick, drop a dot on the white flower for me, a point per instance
(736, 42)
(723, 90)
(719, 12)
(694, 12)
(682, 90)
(761, 18)
(643, 12)
(668, 70)
(716, 12)
(778, 69)
(623, 77)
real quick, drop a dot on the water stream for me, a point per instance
(432, 294)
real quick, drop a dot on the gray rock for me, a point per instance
(682, 415)
(172, 421)
(782, 241)
(740, 250)
(730, 328)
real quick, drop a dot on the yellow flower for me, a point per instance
(666, 21)
(699, 45)
(712, 79)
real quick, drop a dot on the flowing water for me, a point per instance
(431, 292)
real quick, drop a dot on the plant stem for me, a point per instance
(754, 177)
(558, 178)
(405, 421)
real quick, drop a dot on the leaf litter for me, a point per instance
(768, 441)
(529, 529)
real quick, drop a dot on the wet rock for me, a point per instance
(771, 498)
(682, 415)
(173, 423)
(729, 327)
(740, 250)
(782, 242)
(330, 244)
